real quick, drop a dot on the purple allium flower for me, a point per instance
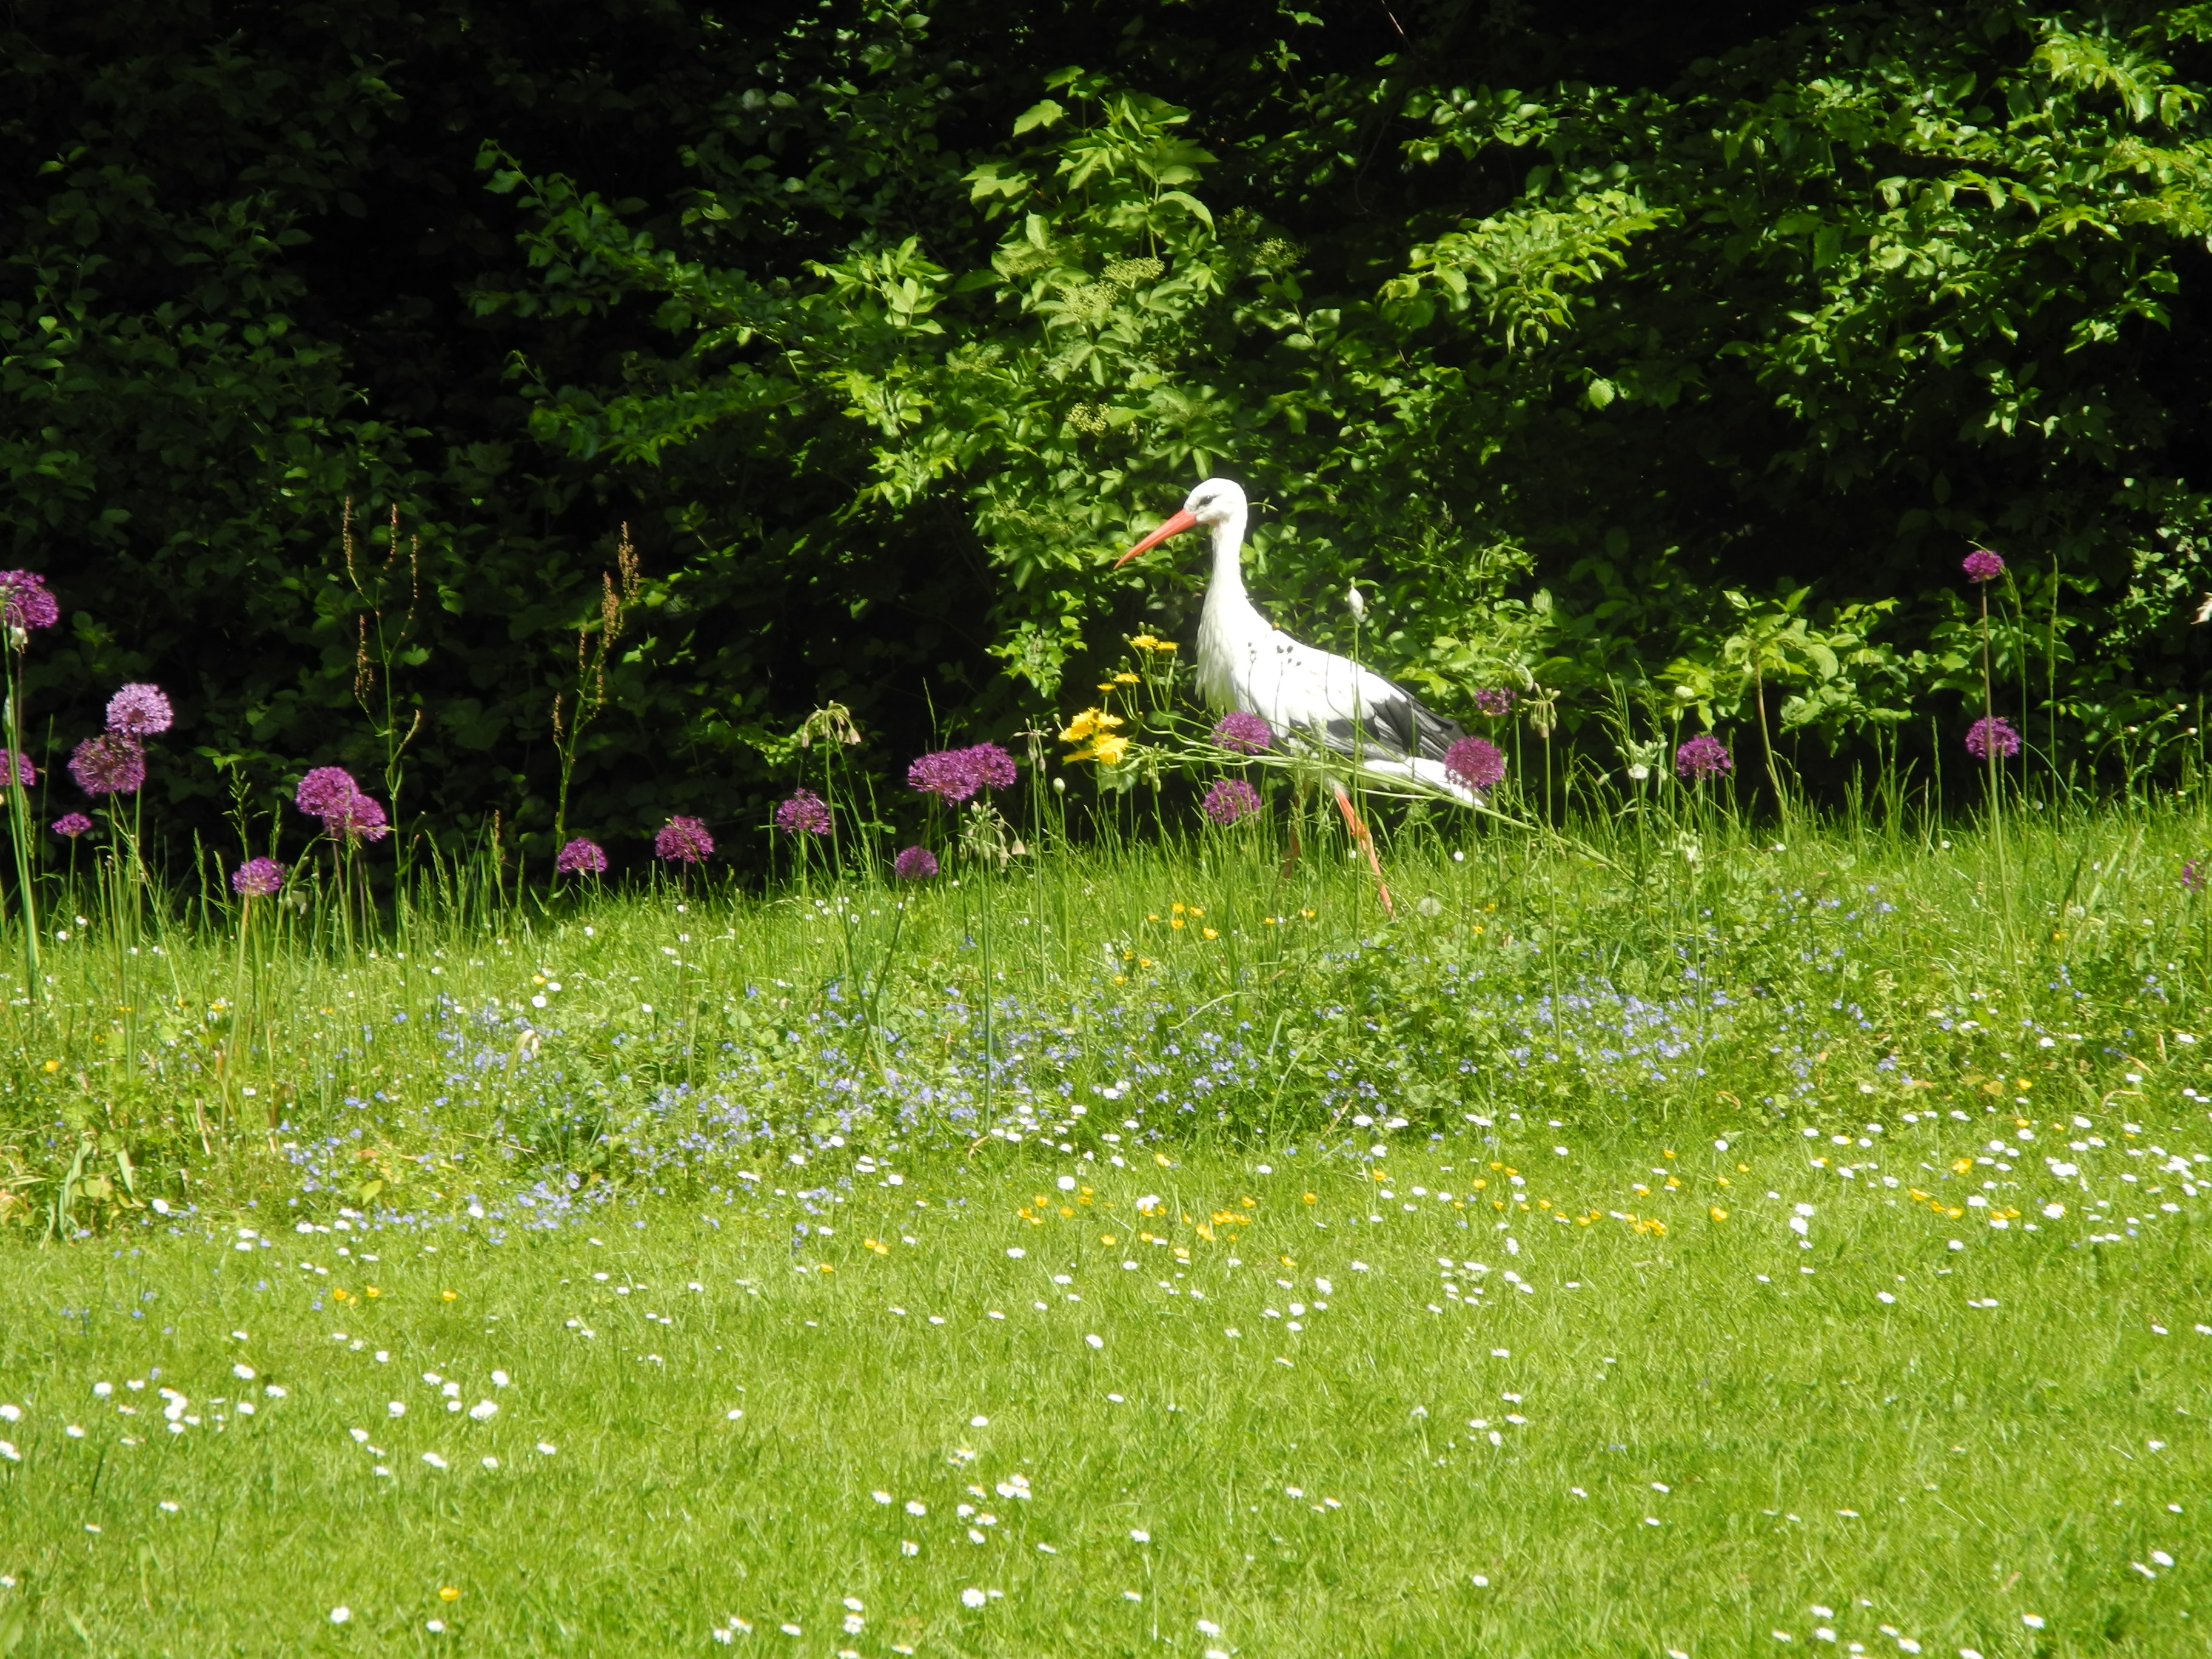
(26, 774)
(1241, 733)
(1703, 756)
(1495, 703)
(683, 841)
(24, 601)
(580, 857)
(358, 817)
(942, 772)
(257, 878)
(1476, 762)
(141, 710)
(1982, 566)
(2192, 876)
(954, 775)
(1230, 800)
(915, 864)
(112, 763)
(992, 767)
(70, 825)
(326, 790)
(1992, 733)
(804, 814)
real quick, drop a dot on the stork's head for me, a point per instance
(1215, 502)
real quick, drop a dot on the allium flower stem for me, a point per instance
(1993, 745)
(19, 818)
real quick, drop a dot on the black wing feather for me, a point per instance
(1400, 728)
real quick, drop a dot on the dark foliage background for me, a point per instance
(1622, 350)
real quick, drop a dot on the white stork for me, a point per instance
(1366, 724)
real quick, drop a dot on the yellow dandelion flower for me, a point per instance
(1312, 1198)
(449, 1593)
(449, 1296)
(371, 1290)
(1209, 933)
(1717, 1213)
(1105, 1239)
(1126, 678)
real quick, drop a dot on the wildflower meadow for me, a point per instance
(1343, 831)
(1098, 1225)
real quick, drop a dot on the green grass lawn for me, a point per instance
(1635, 1245)
(1383, 1421)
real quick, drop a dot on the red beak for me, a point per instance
(1175, 527)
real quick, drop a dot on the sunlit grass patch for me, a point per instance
(1768, 1248)
(1321, 1411)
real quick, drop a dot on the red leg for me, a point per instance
(1359, 834)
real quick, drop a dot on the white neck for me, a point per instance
(1228, 626)
(1228, 582)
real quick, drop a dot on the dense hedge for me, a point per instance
(1621, 352)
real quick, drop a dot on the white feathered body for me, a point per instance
(1315, 700)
